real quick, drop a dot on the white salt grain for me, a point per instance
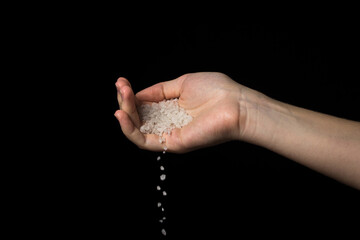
(162, 177)
(163, 117)
(160, 119)
(161, 139)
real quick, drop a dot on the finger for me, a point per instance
(126, 99)
(128, 104)
(144, 141)
(164, 90)
(129, 129)
(121, 81)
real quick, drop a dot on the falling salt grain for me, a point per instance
(160, 119)
(159, 204)
(165, 148)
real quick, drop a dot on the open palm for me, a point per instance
(212, 99)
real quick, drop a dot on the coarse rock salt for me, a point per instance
(163, 117)
(162, 177)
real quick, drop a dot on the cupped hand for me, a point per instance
(213, 100)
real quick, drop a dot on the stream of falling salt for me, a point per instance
(163, 195)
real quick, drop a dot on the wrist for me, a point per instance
(260, 117)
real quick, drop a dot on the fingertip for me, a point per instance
(117, 114)
(121, 81)
(151, 94)
(125, 122)
(148, 141)
(117, 85)
(121, 116)
(129, 129)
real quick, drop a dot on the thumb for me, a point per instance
(163, 90)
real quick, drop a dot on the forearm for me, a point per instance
(327, 144)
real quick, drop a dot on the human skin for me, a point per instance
(224, 110)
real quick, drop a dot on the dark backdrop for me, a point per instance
(96, 182)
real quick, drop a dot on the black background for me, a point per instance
(88, 179)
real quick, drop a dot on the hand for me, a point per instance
(213, 100)
(224, 110)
